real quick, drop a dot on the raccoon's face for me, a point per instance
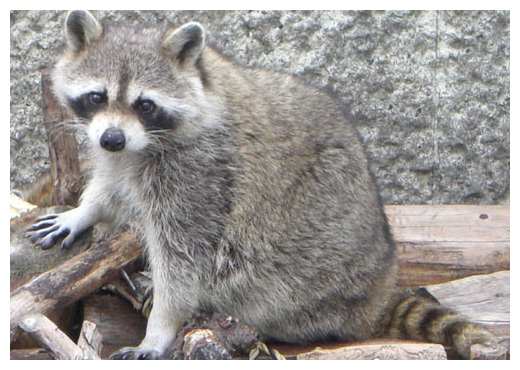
(133, 85)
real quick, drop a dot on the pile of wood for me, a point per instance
(458, 254)
(87, 302)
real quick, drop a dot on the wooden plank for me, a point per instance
(416, 223)
(437, 244)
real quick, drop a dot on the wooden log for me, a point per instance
(74, 279)
(58, 344)
(46, 333)
(63, 149)
(213, 337)
(437, 244)
(378, 350)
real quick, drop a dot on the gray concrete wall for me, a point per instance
(429, 89)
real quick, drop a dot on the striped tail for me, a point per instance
(424, 319)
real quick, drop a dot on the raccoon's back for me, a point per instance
(301, 161)
(305, 212)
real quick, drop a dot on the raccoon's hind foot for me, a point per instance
(135, 353)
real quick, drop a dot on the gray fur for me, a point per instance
(255, 198)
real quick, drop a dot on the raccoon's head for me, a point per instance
(134, 85)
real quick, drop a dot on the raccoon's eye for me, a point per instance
(89, 103)
(146, 106)
(97, 98)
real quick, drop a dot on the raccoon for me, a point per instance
(252, 192)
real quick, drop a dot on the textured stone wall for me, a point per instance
(429, 90)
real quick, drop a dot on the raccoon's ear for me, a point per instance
(185, 43)
(81, 28)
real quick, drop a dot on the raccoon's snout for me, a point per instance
(113, 139)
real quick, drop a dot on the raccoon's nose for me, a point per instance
(113, 139)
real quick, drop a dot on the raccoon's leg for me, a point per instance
(164, 323)
(50, 228)
(421, 318)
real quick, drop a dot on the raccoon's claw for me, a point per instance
(44, 222)
(50, 228)
(50, 216)
(135, 353)
(51, 239)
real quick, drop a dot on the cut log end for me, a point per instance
(30, 323)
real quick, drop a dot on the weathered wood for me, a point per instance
(90, 341)
(63, 149)
(378, 350)
(65, 318)
(437, 244)
(74, 279)
(58, 344)
(46, 333)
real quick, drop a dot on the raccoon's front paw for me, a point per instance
(135, 353)
(50, 228)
